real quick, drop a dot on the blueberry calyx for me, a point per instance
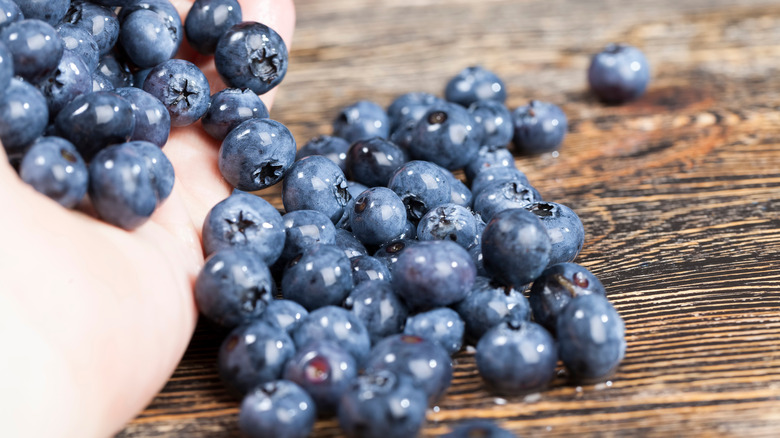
(264, 65)
(268, 172)
(437, 117)
(542, 209)
(181, 93)
(251, 296)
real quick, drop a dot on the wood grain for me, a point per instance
(679, 193)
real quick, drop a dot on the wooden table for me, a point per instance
(679, 193)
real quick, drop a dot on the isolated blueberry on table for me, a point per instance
(473, 84)
(93, 121)
(360, 121)
(229, 108)
(320, 275)
(618, 74)
(23, 116)
(208, 20)
(279, 409)
(101, 22)
(35, 47)
(556, 287)
(256, 154)
(334, 148)
(80, 41)
(378, 307)
(421, 185)
(316, 183)
(182, 87)
(445, 135)
(251, 55)
(489, 304)
(539, 127)
(441, 325)
(54, 167)
(50, 11)
(567, 235)
(152, 120)
(373, 161)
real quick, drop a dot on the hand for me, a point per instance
(94, 319)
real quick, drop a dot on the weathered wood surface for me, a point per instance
(679, 193)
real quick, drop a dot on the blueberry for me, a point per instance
(325, 371)
(159, 166)
(539, 127)
(284, 314)
(366, 268)
(382, 405)
(233, 287)
(460, 194)
(489, 304)
(495, 174)
(556, 287)
(475, 83)
(279, 409)
(101, 82)
(334, 148)
(373, 161)
(253, 354)
(303, 229)
(182, 88)
(70, 79)
(152, 120)
(9, 13)
(494, 120)
(316, 183)
(95, 120)
(433, 274)
(479, 428)
(591, 338)
(256, 154)
(567, 234)
(517, 357)
(116, 70)
(23, 116)
(337, 325)
(389, 252)
(378, 307)
(350, 245)
(421, 185)
(445, 135)
(54, 167)
(378, 216)
(409, 108)
(515, 247)
(426, 362)
(101, 22)
(168, 17)
(245, 221)
(618, 73)
(448, 222)
(81, 42)
(489, 157)
(251, 55)
(147, 38)
(441, 325)
(50, 11)
(361, 121)
(476, 255)
(504, 195)
(229, 108)
(321, 275)
(208, 20)
(35, 47)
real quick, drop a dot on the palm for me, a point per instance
(112, 311)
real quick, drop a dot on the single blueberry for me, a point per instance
(489, 304)
(334, 148)
(409, 108)
(54, 167)
(23, 116)
(316, 183)
(321, 275)
(361, 121)
(539, 127)
(337, 325)
(460, 194)
(101, 22)
(50, 11)
(251, 55)
(208, 20)
(80, 41)
(494, 120)
(504, 195)
(147, 39)
(445, 135)
(70, 79)
(160, 168)
(378, 307)
(152, 120)
(9, 12)
(448, 222)
(489, 157)
(229, 108)
(473, 84)
(373, 161)
(350, 245)
(182, 88)
(366, 268)
(421, 185)
(279, 409)
(378, 216)
(116, 70)
(284, 314)
(95, 120)
(168, 17)
(567, 234)
(441, 325)
(618, 73)
(303, 229)
(101, 82)
(495, 174)
(35, 47)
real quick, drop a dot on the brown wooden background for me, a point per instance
(679, 193)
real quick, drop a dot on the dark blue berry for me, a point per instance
(251, 55)
(460, 194)
(233, 287)
(366, 268)
(54, 167)
(421, 185)
(504, 195)
(139, 77)
(50, 11)
(448, 222)
(373, 161)
(334, 148)
(389, 252)
(147, 39)
(337, 325)
(539, 127)
(80, 42)
(349, 244)
(441, 325)
(116, 70)
(618, 73)
(284, 314)
(320, 275)
(475, 83)
(35, 47)
(480, 429)
(208, 20)
(279, 409)
(100, 82)
(101, 22)
(182, 88)
(70, 79)
(167, 22)
(9, 12)
(159, 166)
(489, 157)
(303, 229)
(316, 183)
(378, 307)
(517, 357)
(567, 234)
(229, 108)
(409, 108)
(489, 304)
(360, 121)
(476, 255)
(445, 135)
(515, 247)
(23, 116)
(495, 174)
(557, 285)
(494, 120)
(378, 216)
(152, 120)
(95, 120)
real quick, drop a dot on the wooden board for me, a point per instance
(679, 193)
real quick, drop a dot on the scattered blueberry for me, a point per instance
(279, 409)
(147, 38)
(389, 252)
(441, 325)
(445, 135)
(229, 108)
(373, 161)
(80, 41)
(515, 247)
(488, 304)
(251, 55)
(350, 245)
(567, 235)
(182, 88)
(70, 79)
(160, 168)
(208, 20)
(378, 307)
(303, 229)
(556, 287)
(495, 121)
(152, 120)
(409, 108)
(334, 148)
(480, 429)
(100, 82)
(360, 121)
(284, 314)
(473, 84)
(9, 12)
(50, 11)
(495, 174)
(321, 275)
(378, 216)
(421, 185)
(618, 73)
(448, 222)
(316, 183)
(54, 167)
(539, 127)
(116, 70)
(489, 157)
(504, 195)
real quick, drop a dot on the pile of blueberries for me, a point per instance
(384, 264)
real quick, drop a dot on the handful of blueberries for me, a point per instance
(384, 264)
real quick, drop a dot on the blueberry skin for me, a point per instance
(473, 84)
(146, 38)
(495, 174)
(460, 194)
(284, 314)
(489, 304)
(389, 252)
(361, 121)
(121, 186)
(488, 157)
(245, 221)
(101, 22)
(350, 245)
(279, 409)
(515, 247)
(479, 428)
(504, 195)
(251, 55)
(334, 148)
(441, 325)
(378, 307)
(494, 120)
(373, 161)
(316, 183)
(23, 116)
(539, 127)
(517, 357)
(54, 167)
(448, 222)
(366, 268)
(116, 70)
(35, 48)
(409, 108)
(256, 154)
(337, 325)
(445, 135)
(159, 166)
(101, 82)
(556, 287)
(95, 120)
(476, 255)
(9, 13)
(325, 371)
(378, 216)
(618, 74)
(421, 185)
(304, 229)
(229, 108)
(591, 338)
(152, 121)
(50, 11)
(70, 79)
(208, 20)
(433, 274)
(182, 88)
(567, 234)
(321, 275)
(382, 405)
(426, 362)
(233, 287)
(80, 41)
(164, 9)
